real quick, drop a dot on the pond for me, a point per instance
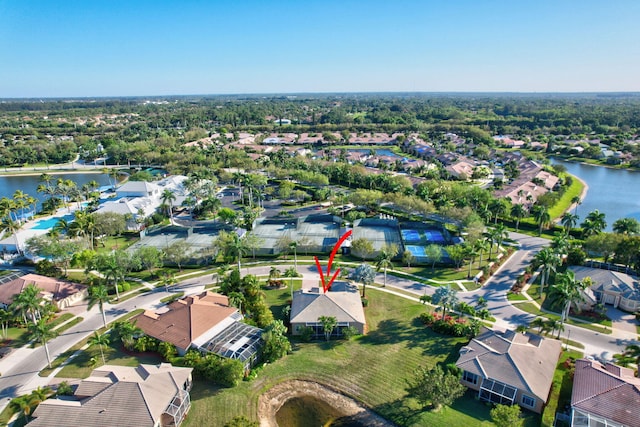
(307, 411)
(616, 192)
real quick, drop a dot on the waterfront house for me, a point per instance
(342, 301)
(510, 368)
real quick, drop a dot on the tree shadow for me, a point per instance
(398, 412)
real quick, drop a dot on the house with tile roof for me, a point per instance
(604, 396)
(205, 322)
(122, 396)
(341, 301)
(60, 292)
(510, 368)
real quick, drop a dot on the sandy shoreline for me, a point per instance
(583, 194)
(273, 399)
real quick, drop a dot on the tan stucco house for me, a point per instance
(122, 396)
(509, 367)
(342, 301)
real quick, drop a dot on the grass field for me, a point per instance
(373, 369)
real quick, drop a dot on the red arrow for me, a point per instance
(326, 286)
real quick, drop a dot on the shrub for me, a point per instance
(350, 332)
(365, 302)
(306, 333)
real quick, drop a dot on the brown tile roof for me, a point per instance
(187, 318)
(608, 391)
(58, 289)
(525, 361)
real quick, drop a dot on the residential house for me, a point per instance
(604, 396)
(205, 322)
(341, 301)
(509, 367)
(60, 292)
(143, 396)
(610, 287)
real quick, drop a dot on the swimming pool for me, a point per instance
(49, 223)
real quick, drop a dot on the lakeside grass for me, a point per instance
(575, 189)
(373, 369)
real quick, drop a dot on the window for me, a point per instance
(528, 401)
(469, 377)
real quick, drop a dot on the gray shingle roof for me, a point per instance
(525, 361)
(609, 391)
(130, 397)
(345, 306)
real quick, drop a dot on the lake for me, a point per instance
(616, 192)
(28, 184)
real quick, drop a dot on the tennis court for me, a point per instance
(410, 236)
(434, 236)
(416, 251)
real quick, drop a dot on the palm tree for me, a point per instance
(99, 340)
(569, 221)
(566, 291)
(6, 317)
(293, 246)
(541, 215)
(384, 260)
(168, 280)
(329, 323)
(167, 199)
(626, 226)
(43, 332)
(518, 212)
(577, 201)
(538, 322)
(126, 331)
(446, 297)
(481, 245)
(21, 405)
(364, 274)
(28, 302)
(98, 295)
(548, 262)
(594, 223)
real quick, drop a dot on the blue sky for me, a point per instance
(117, 48)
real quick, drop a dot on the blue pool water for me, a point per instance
(46, 224)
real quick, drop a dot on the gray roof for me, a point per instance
(524, 361)
(137, 187)
(342, 302)
(610, 281)
(608, 390)
(123, 396)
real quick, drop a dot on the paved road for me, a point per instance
(20, 369)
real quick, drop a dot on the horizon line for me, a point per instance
(271, 94)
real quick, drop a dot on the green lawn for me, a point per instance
(563, 204)
(516, 297)
(560, 389)
(373, 369)
(114, 354)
